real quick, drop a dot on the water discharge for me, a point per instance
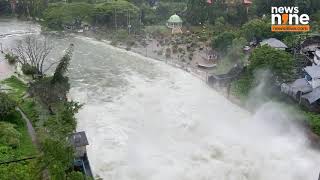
(148, 121)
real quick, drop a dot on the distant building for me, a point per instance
(274, 43)
(175, 23)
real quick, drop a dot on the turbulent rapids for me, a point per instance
(146, 120)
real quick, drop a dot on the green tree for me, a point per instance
(7, 105)
(223, 41)
(236, 51)
(58, 157)
(264, 6)
(116, 13)
(280, 63)
(256, 29)
(197, 11)
(62, 67)
(63, 122)
(57, 15)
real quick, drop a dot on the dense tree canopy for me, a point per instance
(256, 29)
(197, 11)
(71, 13)
(223, 41)
(280, 63)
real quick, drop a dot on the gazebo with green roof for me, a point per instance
(175, 23)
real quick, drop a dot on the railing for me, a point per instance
(18, 160)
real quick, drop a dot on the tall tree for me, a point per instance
(197, 11)
(62, 66)
(33, 52)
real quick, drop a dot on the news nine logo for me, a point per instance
(289, 19)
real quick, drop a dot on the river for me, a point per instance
(146, 120)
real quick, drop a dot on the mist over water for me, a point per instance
(148, 121)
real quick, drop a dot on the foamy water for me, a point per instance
(148, 121)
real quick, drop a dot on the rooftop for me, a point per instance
(78, 139)
(273, 42)
(313, 71)
(301, 85)
(312, 96)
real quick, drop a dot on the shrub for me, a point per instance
(12, 59)
(27, 69)
(7, 105)
(9, 135)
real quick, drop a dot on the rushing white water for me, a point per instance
(148, 121)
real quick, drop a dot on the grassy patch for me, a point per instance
(19, 170)
(30, 108)
(18, 87)
(28, 105)
(24, 170)
(26, 147)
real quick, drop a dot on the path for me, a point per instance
(31, 130)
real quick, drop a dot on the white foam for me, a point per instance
(175, 127)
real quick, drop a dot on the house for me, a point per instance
(79, 142)
(312, 75)
(310, 47)
(305, 90)
(274, 43)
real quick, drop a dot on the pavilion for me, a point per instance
(175, 23)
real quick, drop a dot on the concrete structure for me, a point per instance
(313, 75)
(305, 90)
(274, 43)
(175, 23)
(79, 142)
(316, 58)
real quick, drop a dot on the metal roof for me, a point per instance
(273, 42)
(301, 85)
(313, 71)
(312, 96)
(78, 139)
